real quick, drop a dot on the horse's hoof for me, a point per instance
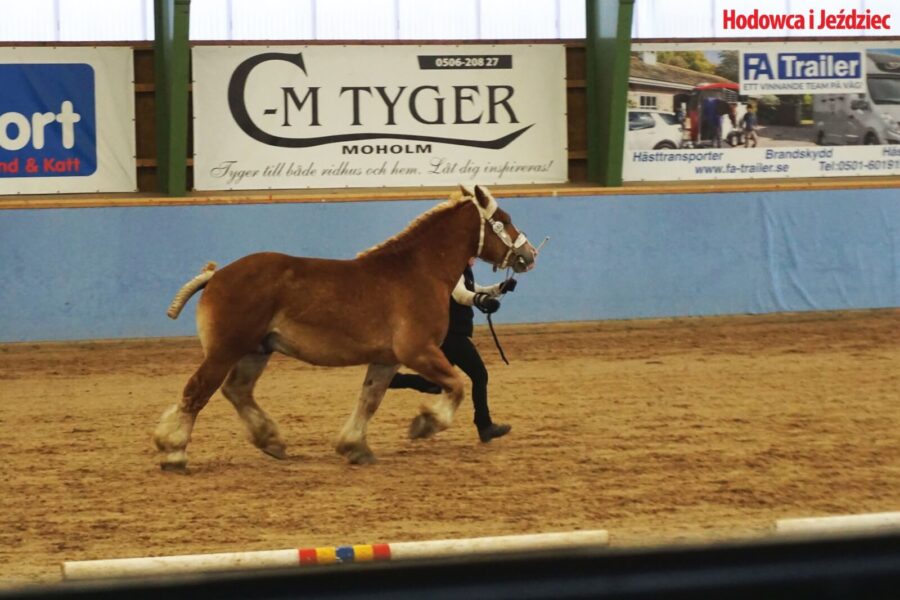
(180, 468)
(175, 462)
(356, 454)
(423, 426)
(362, 457)
(275, 451)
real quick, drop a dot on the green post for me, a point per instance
(172, 18)
(608, 47)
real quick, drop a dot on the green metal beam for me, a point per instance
(608, 47)
(172, 19)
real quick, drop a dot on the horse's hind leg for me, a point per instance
(352, 439)
(238, 389)
(174, 430)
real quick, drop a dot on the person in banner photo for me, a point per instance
(749, 124)
(714, 109)
(461, 352)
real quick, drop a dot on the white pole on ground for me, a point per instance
(231, 561)
(840, 524)
(174, 565)
(491, 545)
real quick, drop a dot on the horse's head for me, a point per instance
(499, 241)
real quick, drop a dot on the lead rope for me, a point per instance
(494, 333)
(496, 341)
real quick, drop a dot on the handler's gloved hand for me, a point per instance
(486, 304)
(508, 286)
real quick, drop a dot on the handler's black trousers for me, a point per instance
(461, 352)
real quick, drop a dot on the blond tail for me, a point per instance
(190, 288)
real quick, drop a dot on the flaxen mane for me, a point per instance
(455, 198)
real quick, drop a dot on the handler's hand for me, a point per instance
(508, 286)
(486, 304)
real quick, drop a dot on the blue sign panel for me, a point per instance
(48, 121)
(803, 65)
(779, 72)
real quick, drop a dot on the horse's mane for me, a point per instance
(455, 199)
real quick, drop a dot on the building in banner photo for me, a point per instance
(658, 98)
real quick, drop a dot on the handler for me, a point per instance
(461, 352)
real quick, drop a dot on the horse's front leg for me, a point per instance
(352, 440)
(433, 365)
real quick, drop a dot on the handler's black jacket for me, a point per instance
(462, 316)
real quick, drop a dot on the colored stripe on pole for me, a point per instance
(363, 553)
(344, 553)
(327, 555)
(381, 551)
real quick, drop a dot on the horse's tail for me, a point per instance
(190, 288)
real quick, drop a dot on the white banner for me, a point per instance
(67, 120)
(367, 116)
(746, 110)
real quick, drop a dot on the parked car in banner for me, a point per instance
(653, 130)
(868, 118)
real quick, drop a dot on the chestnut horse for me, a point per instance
(385, 308)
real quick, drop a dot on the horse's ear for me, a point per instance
(483, 195)
(466, 191)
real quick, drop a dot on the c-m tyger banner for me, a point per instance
(368, 116)
(66, 120)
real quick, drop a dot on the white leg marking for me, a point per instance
(444, 408)
(173, 434)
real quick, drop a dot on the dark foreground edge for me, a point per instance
(858, 567)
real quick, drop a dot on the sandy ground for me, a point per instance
(662, 432)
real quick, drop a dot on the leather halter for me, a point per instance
(499, 229)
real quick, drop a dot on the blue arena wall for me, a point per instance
(92, 273)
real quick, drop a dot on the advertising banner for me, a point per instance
(66, 120)
(745, 110)
(368, 116)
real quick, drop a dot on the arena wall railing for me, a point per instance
(111, 272)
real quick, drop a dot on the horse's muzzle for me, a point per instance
(520, 266)
(525, 257)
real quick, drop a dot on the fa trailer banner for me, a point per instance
(66, 120)
(763, 110)
(368, 116)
